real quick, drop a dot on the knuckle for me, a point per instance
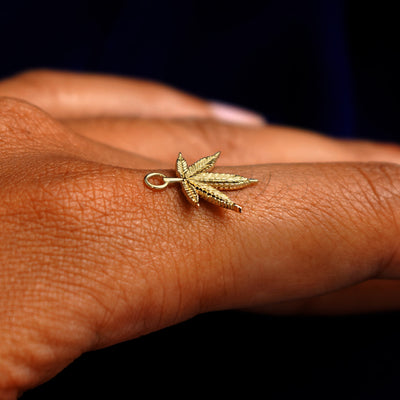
(379, 184)
(380, 187)
(360, 197)
(24, 127)
(350, 203)
(350, 193)
(15, 110)
(31, 85)
(41, 87)
(17, 120)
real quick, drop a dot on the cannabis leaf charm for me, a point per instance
(197, 181)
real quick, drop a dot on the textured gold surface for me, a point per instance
(198, 181)
(190, 192)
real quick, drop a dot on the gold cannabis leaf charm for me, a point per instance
(197, 181)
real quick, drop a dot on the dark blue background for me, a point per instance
(330, 66)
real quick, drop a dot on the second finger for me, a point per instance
(241, 145)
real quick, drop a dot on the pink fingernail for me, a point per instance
(237, 115)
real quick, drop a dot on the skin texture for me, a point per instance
(89, 256)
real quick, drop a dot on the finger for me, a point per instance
(366, 297)
(108, 259)
(73, 95)
(240, 145)
(28, 130)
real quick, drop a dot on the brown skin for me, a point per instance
(90, 257)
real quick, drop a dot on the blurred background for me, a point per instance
(327, 65)
(330, 66)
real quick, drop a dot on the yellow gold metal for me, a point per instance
(152, 185)
(165, 178)
(197, 181)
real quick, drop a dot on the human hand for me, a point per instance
(91, 257)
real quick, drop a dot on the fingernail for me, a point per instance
(236, 115)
